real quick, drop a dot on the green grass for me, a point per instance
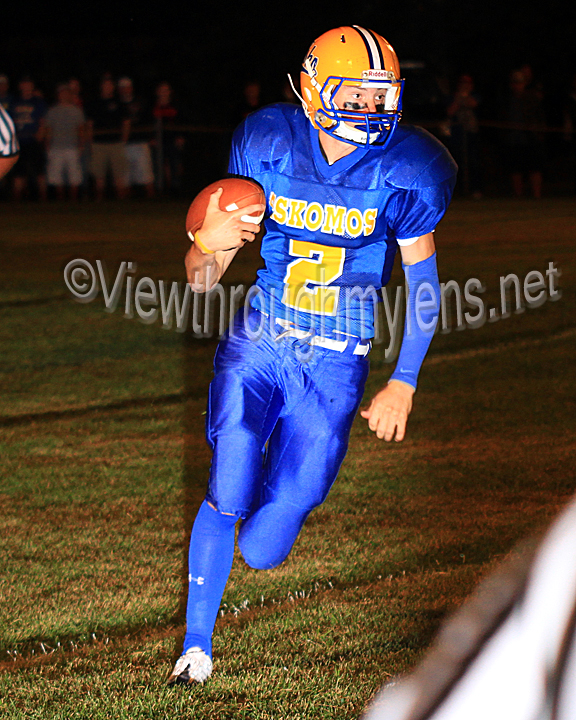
(104, 463)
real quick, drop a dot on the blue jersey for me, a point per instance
(332, 231)
(27, 115)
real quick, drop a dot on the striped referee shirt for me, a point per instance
(8, 143)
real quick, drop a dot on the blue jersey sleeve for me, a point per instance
(238, 164)
(264, 141)
(417, 212)
(424, 174)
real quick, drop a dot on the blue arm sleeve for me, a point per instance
(423, 306)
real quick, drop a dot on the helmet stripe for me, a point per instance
(378, 49)
(373, 47)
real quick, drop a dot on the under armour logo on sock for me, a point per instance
(199, 580)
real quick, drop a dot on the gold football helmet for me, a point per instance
(356, 57)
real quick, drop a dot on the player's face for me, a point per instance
(358, 99)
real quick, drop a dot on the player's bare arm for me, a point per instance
(222, 234)
(388, 412)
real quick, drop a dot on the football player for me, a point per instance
(345, 187)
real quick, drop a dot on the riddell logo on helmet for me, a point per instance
(377, 75)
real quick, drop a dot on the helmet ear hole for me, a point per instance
(323, 121)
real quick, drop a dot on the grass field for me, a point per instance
(104, 464)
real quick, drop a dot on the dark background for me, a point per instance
(208, 52)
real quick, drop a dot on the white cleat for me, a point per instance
(192, 667)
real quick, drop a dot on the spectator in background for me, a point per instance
(168, 143)
(463, 142)
(523, 143)
(252, 96)
(8, 143)
(250, 102)
(288, 94)
(570, 127)
(76, 92)
(28, 113)
(532, 85)
(137, 148)
(65, 140)
(108, 129)
(6, 99)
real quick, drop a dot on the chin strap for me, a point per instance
(350, 133)
(295, 91)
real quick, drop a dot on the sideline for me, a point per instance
(483, 351)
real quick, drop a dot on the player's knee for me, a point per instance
(222, 512)
(314, 500)
(214, 520)
(261, 551)
(266, 538)
(260, 558)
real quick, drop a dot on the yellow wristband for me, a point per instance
(203, 247)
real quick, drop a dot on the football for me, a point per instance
(238, 193)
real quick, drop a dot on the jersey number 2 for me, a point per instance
(307, 280)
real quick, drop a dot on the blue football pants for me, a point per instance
(278, 426)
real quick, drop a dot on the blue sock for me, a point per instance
(209, 562)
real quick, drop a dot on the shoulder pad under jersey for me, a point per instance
(416, 159)
(269, 134)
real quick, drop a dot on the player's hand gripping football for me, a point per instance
(388, 412)
(225, 230)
